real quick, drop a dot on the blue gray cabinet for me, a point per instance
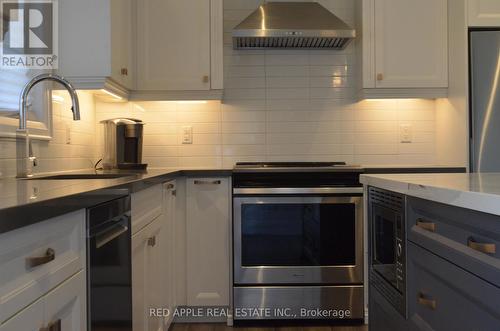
(443, 296)
(452, 271)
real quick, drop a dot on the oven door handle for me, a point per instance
(106, 236)
(299, 190)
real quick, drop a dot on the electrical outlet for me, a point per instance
(68, 134)
(187, 134)
(406, 133)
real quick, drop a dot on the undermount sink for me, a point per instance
(82, 176)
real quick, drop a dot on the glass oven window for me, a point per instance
(305, 234)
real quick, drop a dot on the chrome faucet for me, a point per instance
(25, 158)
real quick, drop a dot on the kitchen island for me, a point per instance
(432, 244)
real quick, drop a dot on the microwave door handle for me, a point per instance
(110, 234)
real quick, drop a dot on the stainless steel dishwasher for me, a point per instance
(109, 269)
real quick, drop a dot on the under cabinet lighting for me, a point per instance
(112, 94)
(191, 102)
(57, 98)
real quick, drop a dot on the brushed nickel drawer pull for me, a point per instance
(207, 182)
(152, 241)
(426, 301)
(32, 262)
(482, 247)
(54, 326)
(426, 225)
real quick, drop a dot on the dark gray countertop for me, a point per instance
(27, 201)
(24, 202)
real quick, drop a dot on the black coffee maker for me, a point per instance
(123, 144)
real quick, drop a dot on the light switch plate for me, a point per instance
(406, 133)
(187, 134)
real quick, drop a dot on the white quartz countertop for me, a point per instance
(477, 191)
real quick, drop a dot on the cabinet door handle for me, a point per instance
(54, 326)
(152, 241)
(206, 79)
(424, 300)
(174, 192)
(380, 77)
(207, 182)
(482, 247)
(124, 71)
(426, 225)
(32, 262)
(170, 186)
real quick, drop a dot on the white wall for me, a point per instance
(290, 105)
(56, 155)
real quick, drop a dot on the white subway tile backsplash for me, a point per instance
(287, 71)
(244, 127)
(243, 138)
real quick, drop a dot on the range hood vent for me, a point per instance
(297, 25)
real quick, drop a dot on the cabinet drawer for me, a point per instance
(468, 238)
(37, 258)
(146, 206)
(64, 306)
(442, 296)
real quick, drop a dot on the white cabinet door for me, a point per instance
(207, 224)
(96, 43)
(156, 273)
(139, 280)
(146, 278)
(29, 319)
(484, 13)
(167, 248)
(173, 45)
(121, 42)
(410, 43)
(65, 306)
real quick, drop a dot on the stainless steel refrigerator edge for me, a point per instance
(484, 100)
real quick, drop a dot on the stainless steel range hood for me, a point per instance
(305, 25)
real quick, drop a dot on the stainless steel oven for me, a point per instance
(297, 241)
(294, 239)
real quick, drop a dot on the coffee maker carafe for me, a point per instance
(123, 144)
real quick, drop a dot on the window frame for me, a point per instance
(38, 130)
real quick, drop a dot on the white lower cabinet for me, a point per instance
(207, 228)
(484, 13)
(66, 305)
(151, 284)
(167, 244)
(29, 319)
(62, 309)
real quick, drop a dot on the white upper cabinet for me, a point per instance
(403, 48)
(95, 43)
(484, 13)
(122, 59)
(179, 46)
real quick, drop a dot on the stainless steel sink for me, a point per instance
(82, 176)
